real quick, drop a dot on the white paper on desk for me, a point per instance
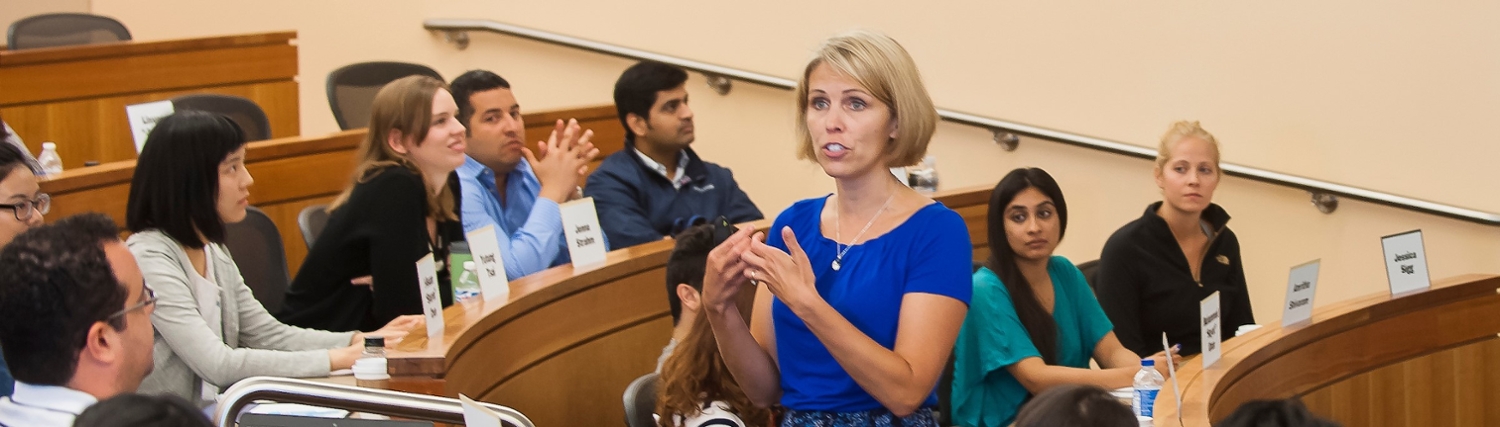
(1301, 287)
(581, 228)
(1406, 262)
(476, 415)
(489, 264)
(432, 302)
(1208, 309)
(143, 118)
(1166, 348)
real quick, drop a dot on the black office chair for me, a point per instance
(640, 401)
(256, 246)
(64, 29)
(311, 220)
(1090, 271)
(243, 111)
(352, 88)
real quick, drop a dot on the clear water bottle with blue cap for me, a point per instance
(1147, 384)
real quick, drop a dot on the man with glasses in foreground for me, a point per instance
(77, 325)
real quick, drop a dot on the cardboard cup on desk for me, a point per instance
(371, 372)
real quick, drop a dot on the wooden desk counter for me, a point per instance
(1430, 358)
(567, 342)
(76, 95)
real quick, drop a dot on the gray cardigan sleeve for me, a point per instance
(184, 330)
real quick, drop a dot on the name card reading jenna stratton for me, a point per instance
(432, 302)
(1301, 287)
(1406, 262)
(1208, 310)
(581, 228)
(486, 249)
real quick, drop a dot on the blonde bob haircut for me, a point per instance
(402, 107)
(1183, 130)
(884, 69)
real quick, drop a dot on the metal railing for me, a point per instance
(1325, 195)
(355, 399)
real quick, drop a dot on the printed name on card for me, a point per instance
(143, 118)
(1301, 287)
(432, 300)
(581, 228)
(1208, 311)
(491, 265)
(1406, 262)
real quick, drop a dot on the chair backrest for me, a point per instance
(1090, 271)
(64, 29)
(243, 111)
(352, 88)
(640, 401)
(311, 220)
(256, 246)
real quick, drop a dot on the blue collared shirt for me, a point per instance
(528, 227)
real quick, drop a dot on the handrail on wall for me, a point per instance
(1325, 194)
(357, 399)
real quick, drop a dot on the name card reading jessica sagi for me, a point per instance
(1301, 287)
(1208, 311)
(432, 301)
(486, 249)
(143, 118)
(581, 228)
(1406, 262)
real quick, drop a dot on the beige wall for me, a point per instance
(15, 10)
(1394, 97)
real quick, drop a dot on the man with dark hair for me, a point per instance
(506, 185)
(685, 267)
(657, 186)
(77, 320)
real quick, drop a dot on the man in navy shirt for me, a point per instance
(507, 186)
(657, 186)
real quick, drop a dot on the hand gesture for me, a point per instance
(788, 275)
(562, 160)
(1161, 361)
(724, 273)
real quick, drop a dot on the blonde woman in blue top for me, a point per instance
(1034, 323)
(862, 291)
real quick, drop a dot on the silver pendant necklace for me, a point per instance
(840, 248)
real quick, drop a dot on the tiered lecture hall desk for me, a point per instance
(76, 95)
(565, 344)
(290, 173)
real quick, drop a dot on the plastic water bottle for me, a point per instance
(924, 177)
(51, 163)
(468, 282)
(1147, 384)
(374, 348)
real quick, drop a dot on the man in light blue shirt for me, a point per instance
(508, 186)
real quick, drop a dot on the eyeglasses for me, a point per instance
(41, 204)
(150, 300)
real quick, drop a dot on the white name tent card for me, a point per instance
(581, 228)
(1301, 287)
(1208, 310)
(143, 118)
(432, 300)
(476, 415)
(1406, 262)
(491, 266)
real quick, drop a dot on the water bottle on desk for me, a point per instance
(923, 177)
(370, 368)
(467, 285)
(49, 160)
(1147, 384)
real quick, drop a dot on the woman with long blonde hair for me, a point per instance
(399, 207)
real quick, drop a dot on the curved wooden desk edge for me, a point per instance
(135, 47)
(1343, 340)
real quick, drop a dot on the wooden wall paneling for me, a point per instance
(104, 135)
(60, 95)
(1453, 387)
(583, 386)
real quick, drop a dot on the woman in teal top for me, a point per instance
(1033, 322)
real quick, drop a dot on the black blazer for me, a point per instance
(1146, 288)
(381, 231)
